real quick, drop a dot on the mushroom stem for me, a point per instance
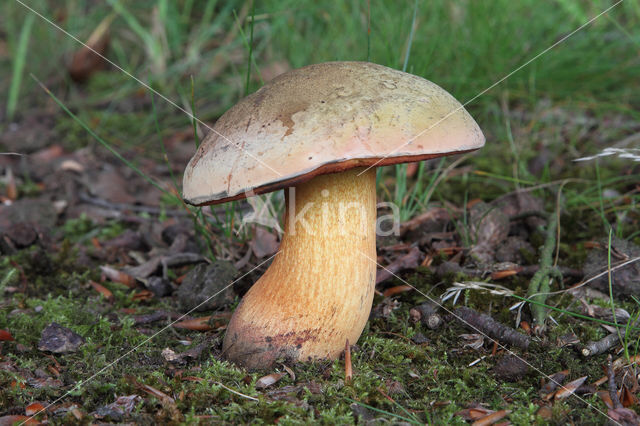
(318, 291)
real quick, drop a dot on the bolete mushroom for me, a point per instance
(319, 130)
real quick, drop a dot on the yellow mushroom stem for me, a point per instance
(317, 293)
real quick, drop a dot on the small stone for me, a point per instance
(58, 339)
(207, 287)
(22, 235)
(160, 287)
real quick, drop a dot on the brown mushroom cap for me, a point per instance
(326, 118)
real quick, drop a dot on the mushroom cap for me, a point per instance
(326, 118)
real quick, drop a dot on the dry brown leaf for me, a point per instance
(268, 380)
(618, 363)
(600, 381)
(16, 419)
(492, 418)
(498, 275)
(34, 408)
(5, 335)
(196, 324)
(85, 61)
(569, 389)
(142, 295)
(118, 276)
(555, 380)
(396, 290)
(290, 372)
(157, 393)
(627, 397)
(105, 292)
(474, 413)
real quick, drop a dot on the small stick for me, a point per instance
(613, 390)
(348, 372)
(492, 328)
(601, 346)
(427, 314)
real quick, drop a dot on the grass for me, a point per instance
(574, 101)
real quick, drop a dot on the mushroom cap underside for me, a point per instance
(326, 118)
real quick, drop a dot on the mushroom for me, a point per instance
(319, 131)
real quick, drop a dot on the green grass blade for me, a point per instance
(253, 19)
(18, 65)
(411, 32)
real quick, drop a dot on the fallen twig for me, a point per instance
(613, 389)
(348, 369)
(492, 328)
(600, 346)
(427, 314)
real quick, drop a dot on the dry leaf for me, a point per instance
(555, 380)
(143, 295)
(492, 418)
(105, 292)
(5, 335)
(474, 413)
(85, 61)
(605, 396)
(268, 380)
(290, 372)
(196, 324)
(627, 397)
(498, 275)
(396, 290)
(118, 276)
(570, 388)
(15, 419)
(33, 409)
